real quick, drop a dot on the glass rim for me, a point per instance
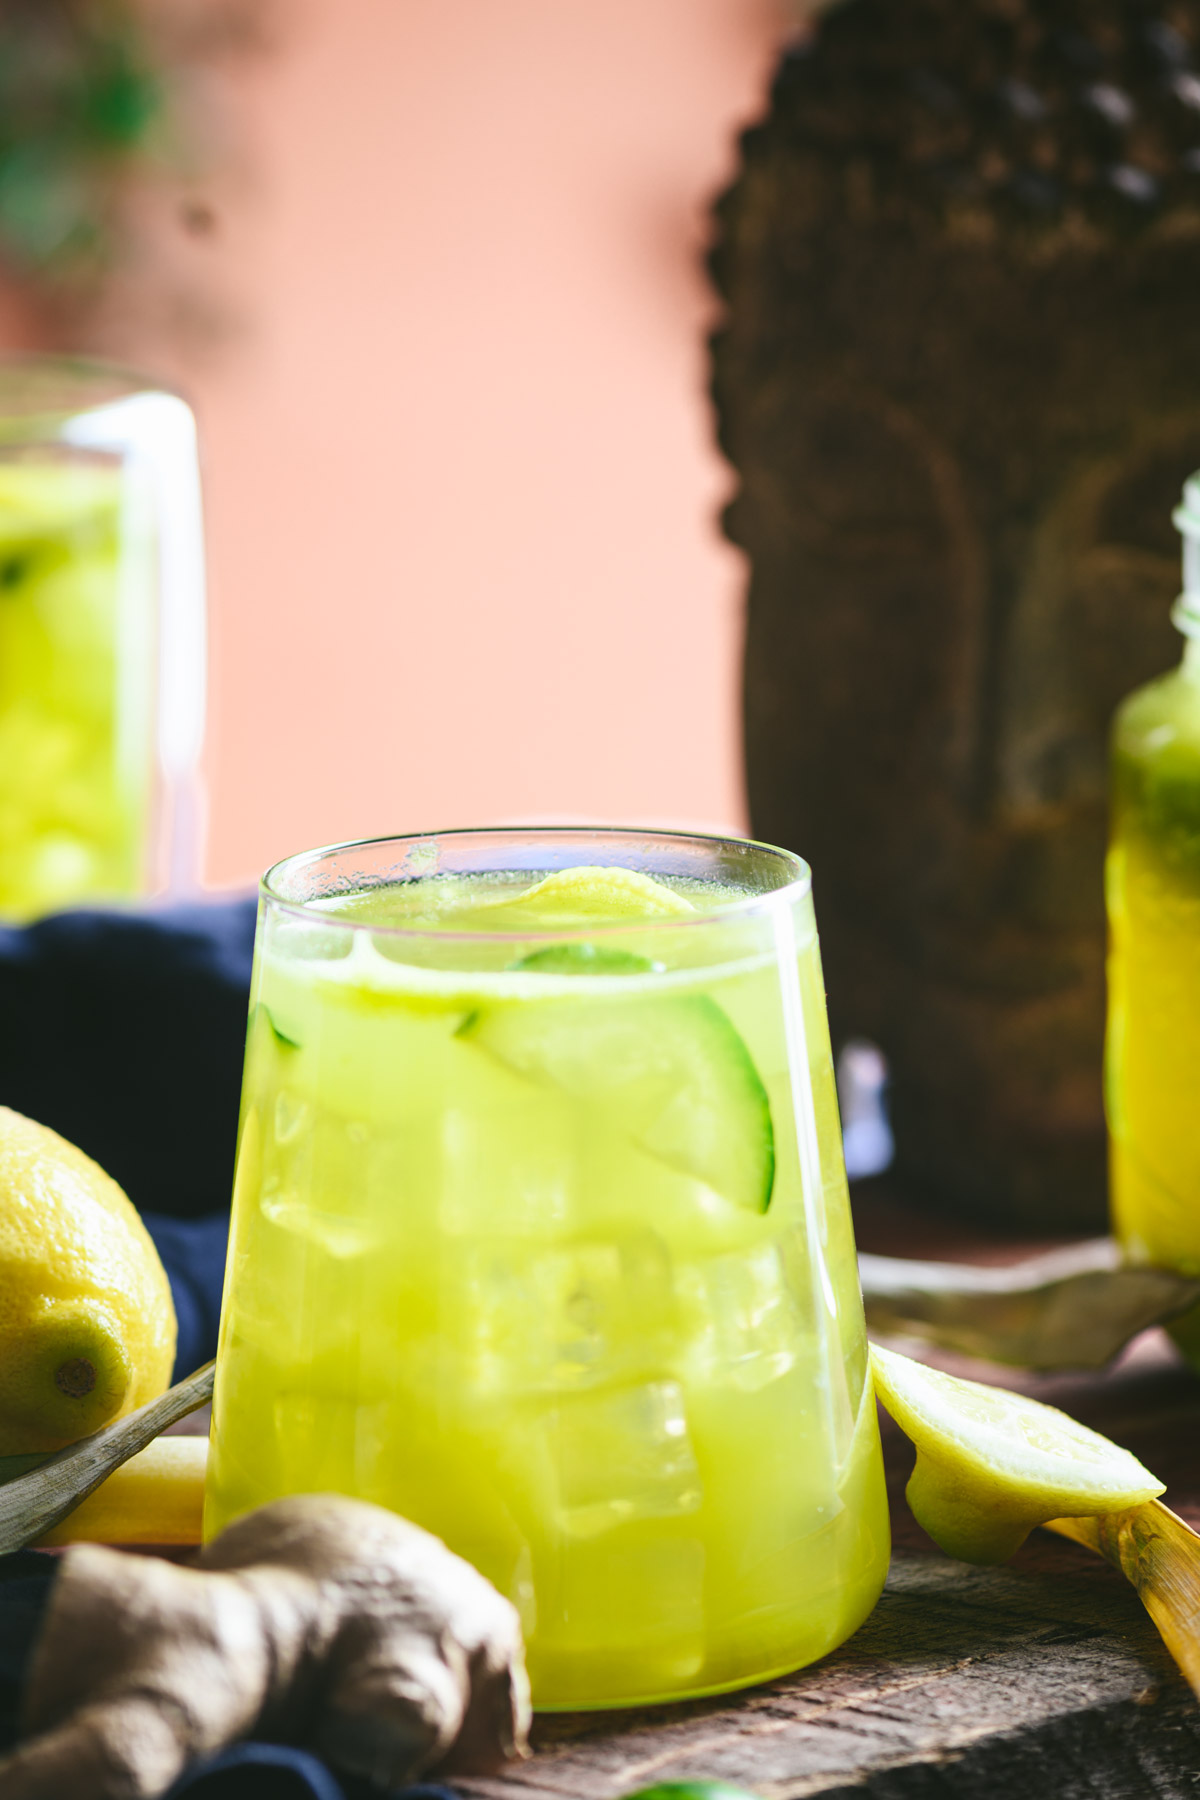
(797, 887)
(41, 390)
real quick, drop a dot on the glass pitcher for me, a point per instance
(102, 638)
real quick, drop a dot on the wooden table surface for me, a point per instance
(1043, 1680)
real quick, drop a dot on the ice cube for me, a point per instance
(291, 1117)
(741, 1318)
(316, 1178)
(619, 1455)
(306, 938)
(337, 1233)
(593, 1312)
(507, 1155)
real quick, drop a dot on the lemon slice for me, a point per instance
(991, 1465)
(590, 893)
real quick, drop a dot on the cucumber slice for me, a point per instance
(586, 959)
(281, 1037)
(672, 1073)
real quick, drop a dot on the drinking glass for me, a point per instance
(102, 651)
(541, 1238)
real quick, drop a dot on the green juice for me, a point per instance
(541, 1238)
(1153, 882)
(1153, 891)
(75, 690)
(1153, 1040)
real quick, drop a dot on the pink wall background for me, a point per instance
(461, 486)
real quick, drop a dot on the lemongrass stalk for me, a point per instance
(157, 1497)
(33, 1503)
(1160, 1555)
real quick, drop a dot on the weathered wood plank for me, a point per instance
(960, 1676)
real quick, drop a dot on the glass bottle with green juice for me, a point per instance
(1152, 1073)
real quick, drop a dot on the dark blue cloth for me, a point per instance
(279, 1772)
(193, 1254)
(261, 1772)
(24, 1589)
(124, 1031)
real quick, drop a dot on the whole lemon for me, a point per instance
(87, 1327)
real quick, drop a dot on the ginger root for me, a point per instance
(316, 1620)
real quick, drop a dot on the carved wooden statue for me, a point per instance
(960, 382)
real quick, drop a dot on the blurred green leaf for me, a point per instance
(121, 101)
(80, 100)
(44, 202)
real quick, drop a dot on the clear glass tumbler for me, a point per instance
(541, 1238)
(102, 646)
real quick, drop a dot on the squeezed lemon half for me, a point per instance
(991, 1464)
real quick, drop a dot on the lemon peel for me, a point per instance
(993, 1464)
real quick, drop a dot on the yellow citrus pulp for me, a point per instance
(992, 1464)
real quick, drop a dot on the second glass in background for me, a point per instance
(102, 640)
